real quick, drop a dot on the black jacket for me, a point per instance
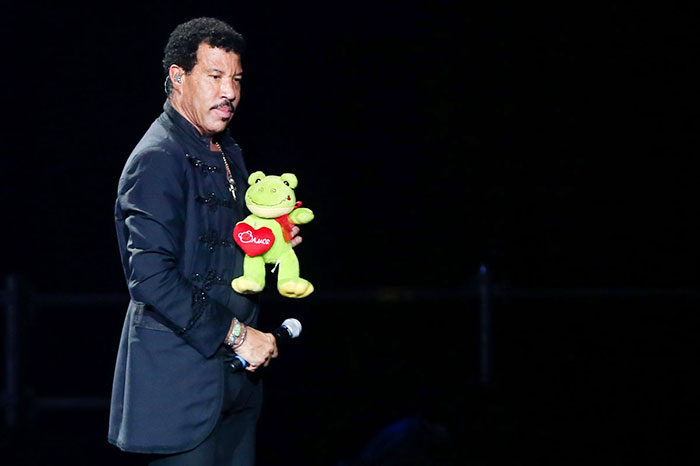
(174, 218)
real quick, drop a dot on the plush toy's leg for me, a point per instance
(253, 278)
(289, 283)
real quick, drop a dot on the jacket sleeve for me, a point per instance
(151, 200)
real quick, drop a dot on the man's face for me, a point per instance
(211, 91)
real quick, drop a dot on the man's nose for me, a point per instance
(228, 90)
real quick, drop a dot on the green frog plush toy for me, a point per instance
(265, 235)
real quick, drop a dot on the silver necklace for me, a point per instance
(229, 177)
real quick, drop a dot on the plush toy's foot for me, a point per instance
(295, 288)
(245, 285)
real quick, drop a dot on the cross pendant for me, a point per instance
(232, 188)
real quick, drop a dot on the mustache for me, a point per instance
(225, 103)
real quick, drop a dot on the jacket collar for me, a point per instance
(187, 129)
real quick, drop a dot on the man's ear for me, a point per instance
(176, 75)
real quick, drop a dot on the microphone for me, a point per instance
(290, 329)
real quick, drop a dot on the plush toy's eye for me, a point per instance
(258, 180)
(286, 182)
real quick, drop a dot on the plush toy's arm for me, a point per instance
(301, 215)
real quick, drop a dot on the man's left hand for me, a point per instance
(296, 239)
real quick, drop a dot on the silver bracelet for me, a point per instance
(240, 343)
(234, 333)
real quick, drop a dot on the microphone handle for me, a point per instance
(238, 363)
(281, 334)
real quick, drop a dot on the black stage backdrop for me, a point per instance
(553, 145)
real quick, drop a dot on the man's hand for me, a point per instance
(296, 240)
(257, 349)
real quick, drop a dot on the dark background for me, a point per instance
(553, 144)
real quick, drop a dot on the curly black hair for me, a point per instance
(184, 41)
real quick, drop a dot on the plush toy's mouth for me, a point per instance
(266, 211)
(279, 204)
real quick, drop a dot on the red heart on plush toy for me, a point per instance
(253, 241)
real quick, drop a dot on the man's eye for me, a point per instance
(215, 76)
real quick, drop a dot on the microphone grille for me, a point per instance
(294, 327)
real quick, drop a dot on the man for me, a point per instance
(180, 194)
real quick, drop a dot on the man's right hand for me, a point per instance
(257, 349)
